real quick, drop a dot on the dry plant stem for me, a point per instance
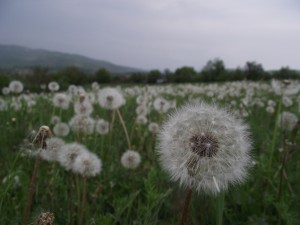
(78, 194)
(82, 210)
(31, 191)
(186, 207)
(70, 196)
(124, 127)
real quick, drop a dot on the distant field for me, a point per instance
(110, 192)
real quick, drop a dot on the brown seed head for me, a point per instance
(41, 136)
(204, 144)
(46, 218)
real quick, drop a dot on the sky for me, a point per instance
(159, 34)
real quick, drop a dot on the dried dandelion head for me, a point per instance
(205, 148)
(41, 136)
(110, 98)
(130, 159)
(45, 218)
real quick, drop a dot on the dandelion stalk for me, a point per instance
(185, 211)
(220, 208)
(70, 197)
(43, 133)
(82, 209)
(124, 128)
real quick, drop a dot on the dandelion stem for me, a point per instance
(124, 127)
(82, 210)
(186, 207)
(31, 191)
(70, 196)
(220, 208)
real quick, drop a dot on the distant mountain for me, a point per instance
(18, 57)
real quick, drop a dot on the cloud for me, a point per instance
(159, 34)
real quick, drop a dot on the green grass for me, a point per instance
(146, 195)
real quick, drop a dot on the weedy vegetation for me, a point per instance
(133, 155)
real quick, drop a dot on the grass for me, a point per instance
(146, 195)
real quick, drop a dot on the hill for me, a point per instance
(18, 57)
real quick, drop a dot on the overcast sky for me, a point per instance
(159, 34)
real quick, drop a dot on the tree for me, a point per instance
(153, 76)
(254, 71)
(184, 74)
(103, 76)
(214, 70)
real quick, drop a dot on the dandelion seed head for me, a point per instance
(16, 86)
(202, 141)
(110, 98)
(130, 159)
(87, 164)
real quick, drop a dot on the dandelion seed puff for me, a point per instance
(54, 145)
(61, 129)
(5, 90)
(83, 124)
(203, 145)
(16, 86)
(53, 86)
(3, 105)
(83, 107)
(110, 98)
(270, 109)
(287, 120)
(153, 127)
(141, 119)
(286, 101)
(61, 100)
(68, 154)
(87, 164)
(141, 110)
(130, 159)
(55, 120)
(161, 105)
(102, 126)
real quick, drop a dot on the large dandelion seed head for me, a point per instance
(205, 148)
(110, 98)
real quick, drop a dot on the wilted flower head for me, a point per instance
(102, 126)
(287, 120)
(87, 164)
(45, 218)
(53, 86)
(61, 129)
(16, 86)
(130, 159)
(110, 98)
(205, 148)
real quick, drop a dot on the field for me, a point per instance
(136, 189)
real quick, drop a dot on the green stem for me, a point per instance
(220, 208)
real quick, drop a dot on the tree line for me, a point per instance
(213, 71)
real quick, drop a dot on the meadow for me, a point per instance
(136, 189)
